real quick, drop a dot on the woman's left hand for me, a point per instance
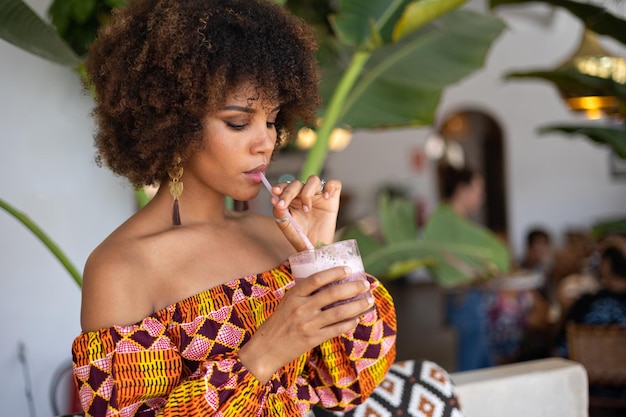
(313, 205)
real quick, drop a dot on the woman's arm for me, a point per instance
(346, 369)
(133, 369)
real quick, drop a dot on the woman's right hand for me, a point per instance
(300, 323)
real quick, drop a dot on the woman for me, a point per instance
(467, 302)
(178, 316)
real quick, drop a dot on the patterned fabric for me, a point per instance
(182, 360)
(411, 388)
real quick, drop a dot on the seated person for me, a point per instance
(538, 256)
(536, 337)
(608, 304)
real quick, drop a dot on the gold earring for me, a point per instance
(176, 189)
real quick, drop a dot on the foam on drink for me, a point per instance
(343, 253)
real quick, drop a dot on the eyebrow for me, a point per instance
(247, 109)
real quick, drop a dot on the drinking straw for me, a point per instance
(295, 225)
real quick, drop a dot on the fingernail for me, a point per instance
(370, 299)
(347, 270)
(305, 209)
(281, 203)
(366, 284)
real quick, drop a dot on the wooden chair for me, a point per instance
(601, 349)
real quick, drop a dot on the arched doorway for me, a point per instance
(473, 138)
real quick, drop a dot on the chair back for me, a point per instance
(601, 349)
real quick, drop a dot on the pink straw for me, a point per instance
(295, 225)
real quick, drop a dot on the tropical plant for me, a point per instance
(599, 20)
(45, 239)
(384, 63)
(456, 249)
(392, 60)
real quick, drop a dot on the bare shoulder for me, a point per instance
(111, 293)
(266, 232)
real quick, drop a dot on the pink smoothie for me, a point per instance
(343, 253)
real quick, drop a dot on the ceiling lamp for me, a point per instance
(592, 59)
(339, 138)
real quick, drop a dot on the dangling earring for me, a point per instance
(176, 189)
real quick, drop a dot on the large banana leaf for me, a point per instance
(458, 250)
(479, 253)
(578, 83)
(397, 220)
(402, 82)
(419, 13)
(614, 137)
(22, 27)
(390, 84)
(357, 20)
(595, 18)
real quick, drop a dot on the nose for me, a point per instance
(264, 139)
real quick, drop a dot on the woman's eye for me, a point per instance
(271, 125)
(236, 126)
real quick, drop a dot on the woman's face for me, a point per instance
(474, 194)
(238, 142)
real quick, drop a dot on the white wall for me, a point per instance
(47, 170)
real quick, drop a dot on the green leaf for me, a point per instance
(470, 251)
(367, 243)
(353, 23)
(609, 227)
(119, 3)
(595, 18)
(461, 259)
(22, 27)
(402, 82)
(82, 10)
(60, 11)
(45, 240)
(578, 83)
(453, 247)
(421, 12)
(614, 137)
(397, 219)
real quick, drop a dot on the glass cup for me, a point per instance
(342, 253)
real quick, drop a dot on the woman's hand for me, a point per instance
(300, 323)
(313, 205)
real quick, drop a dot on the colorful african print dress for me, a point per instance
(183, 361)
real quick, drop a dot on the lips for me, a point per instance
(255, 174)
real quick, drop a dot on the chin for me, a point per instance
(245, 196)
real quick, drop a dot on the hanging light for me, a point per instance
(435, 147)
(306, 138)
(339, 138)
(592, 59)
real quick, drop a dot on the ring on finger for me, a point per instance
(322, 186)
(283, 220)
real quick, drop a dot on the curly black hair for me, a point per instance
(160, 66)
